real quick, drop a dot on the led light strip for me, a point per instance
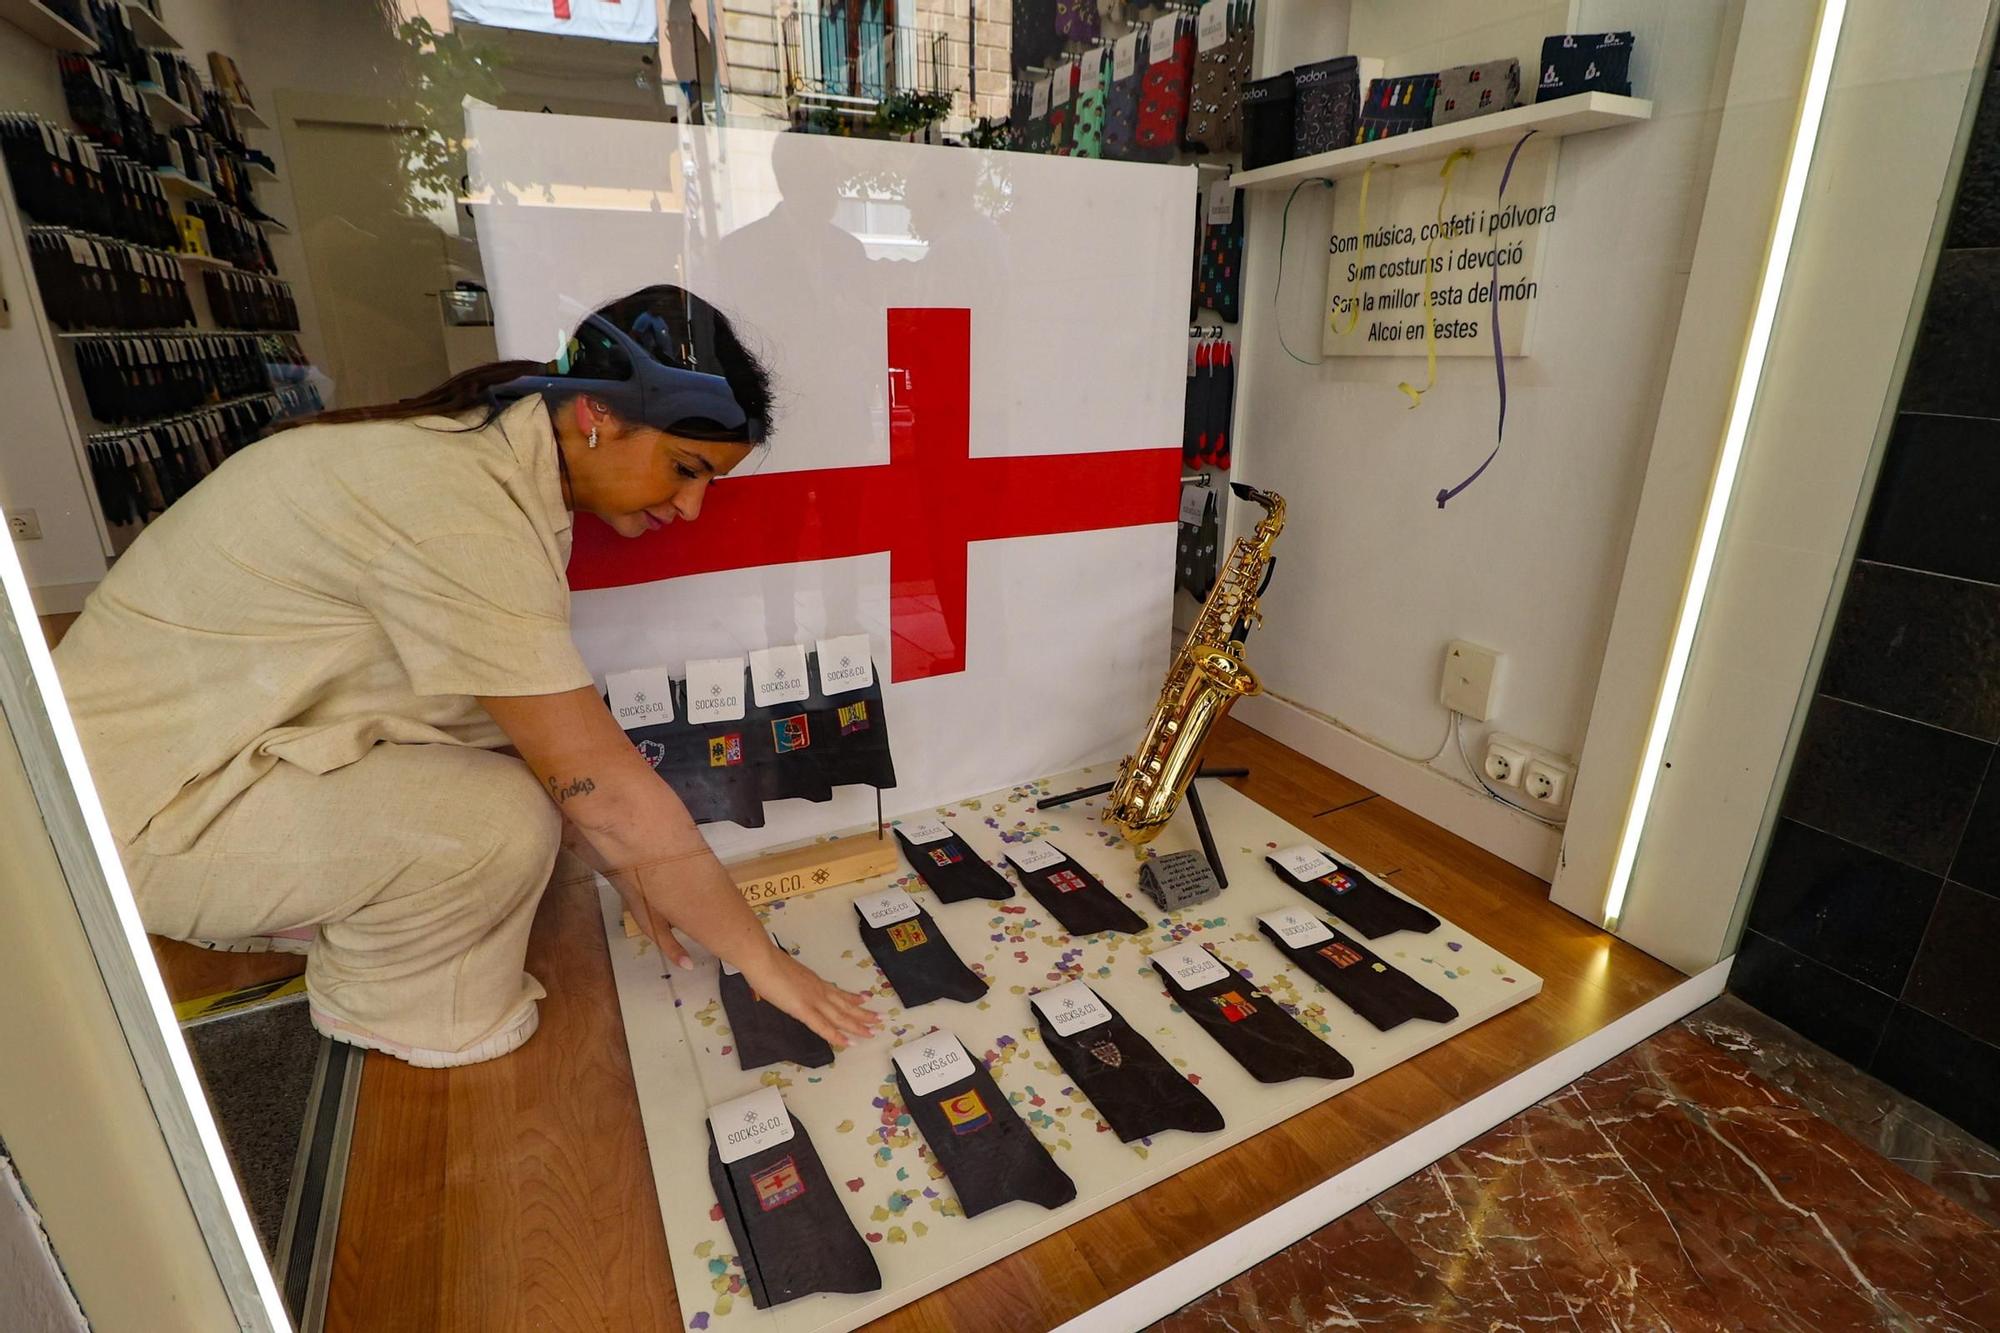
(1750, 377)
(250, 1253)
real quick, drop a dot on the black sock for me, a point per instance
(1269, 1043)
(953, 871)
(764, 1033)
(920, 962)
(855, 728)
(1077, 898)
(791, 1232)
(1132, 1085)
(987, 1151)
(1364, 983)
(1358, 900)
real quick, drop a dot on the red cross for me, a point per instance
(923, 507)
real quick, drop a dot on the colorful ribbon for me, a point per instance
(1416, 395)
(1360, 261)
(1499, 353)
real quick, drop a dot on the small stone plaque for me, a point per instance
(1178, 879)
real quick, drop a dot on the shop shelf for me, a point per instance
(46, 26)
(1554, 120)
(167, 113)
(146, 26)
(247, 117)
(181, 187)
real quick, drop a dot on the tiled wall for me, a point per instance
(1875, 929)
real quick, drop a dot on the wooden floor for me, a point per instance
(517, 1194)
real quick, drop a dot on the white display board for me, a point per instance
(990, 496)
(1417, 223)
(683, 1059)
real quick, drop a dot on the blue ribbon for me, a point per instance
(1493, 319)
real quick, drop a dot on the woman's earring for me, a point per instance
(592, 441)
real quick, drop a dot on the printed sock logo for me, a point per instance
(1067, 881)
(966, 1112)
(1341, 956)
(790, 733)
(725, 751)
(907, 935)
(1233, 1006)
(853, 718)
(778, 1185)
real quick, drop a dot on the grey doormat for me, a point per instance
(257, 1067)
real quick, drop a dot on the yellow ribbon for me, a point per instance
(1360, 261)
(1416, 395)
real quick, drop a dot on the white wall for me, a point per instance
(39, 468)
(1373, 578)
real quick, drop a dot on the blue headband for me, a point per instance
(656, 394)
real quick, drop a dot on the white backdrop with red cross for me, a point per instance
(974, 460)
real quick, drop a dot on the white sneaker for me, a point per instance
(491, 1047)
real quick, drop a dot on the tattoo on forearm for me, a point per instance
(562, 791)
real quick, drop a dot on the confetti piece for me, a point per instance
(844, 1127)
(855, 1184)
(874, 1237)
(724, 1304)
(701, 1251)
(715, 1213)
(718, 1266)
(699, 1321)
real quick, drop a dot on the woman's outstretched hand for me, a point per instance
(837, 1015)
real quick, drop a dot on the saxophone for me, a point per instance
(1207, 677)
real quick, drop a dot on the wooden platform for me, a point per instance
(518, 1194)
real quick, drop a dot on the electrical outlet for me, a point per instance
(1469, 673)
(24, 525)
(1505, 761)
(1547, 780)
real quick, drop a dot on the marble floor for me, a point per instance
(1723, 1175)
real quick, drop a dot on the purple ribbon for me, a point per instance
(1493, 319)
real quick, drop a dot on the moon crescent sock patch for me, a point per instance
(987, 1151)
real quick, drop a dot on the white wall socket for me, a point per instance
(1506, 761)
(1547, 781)
(23, 525)
(1469, 673)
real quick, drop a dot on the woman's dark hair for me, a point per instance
(471, 390)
